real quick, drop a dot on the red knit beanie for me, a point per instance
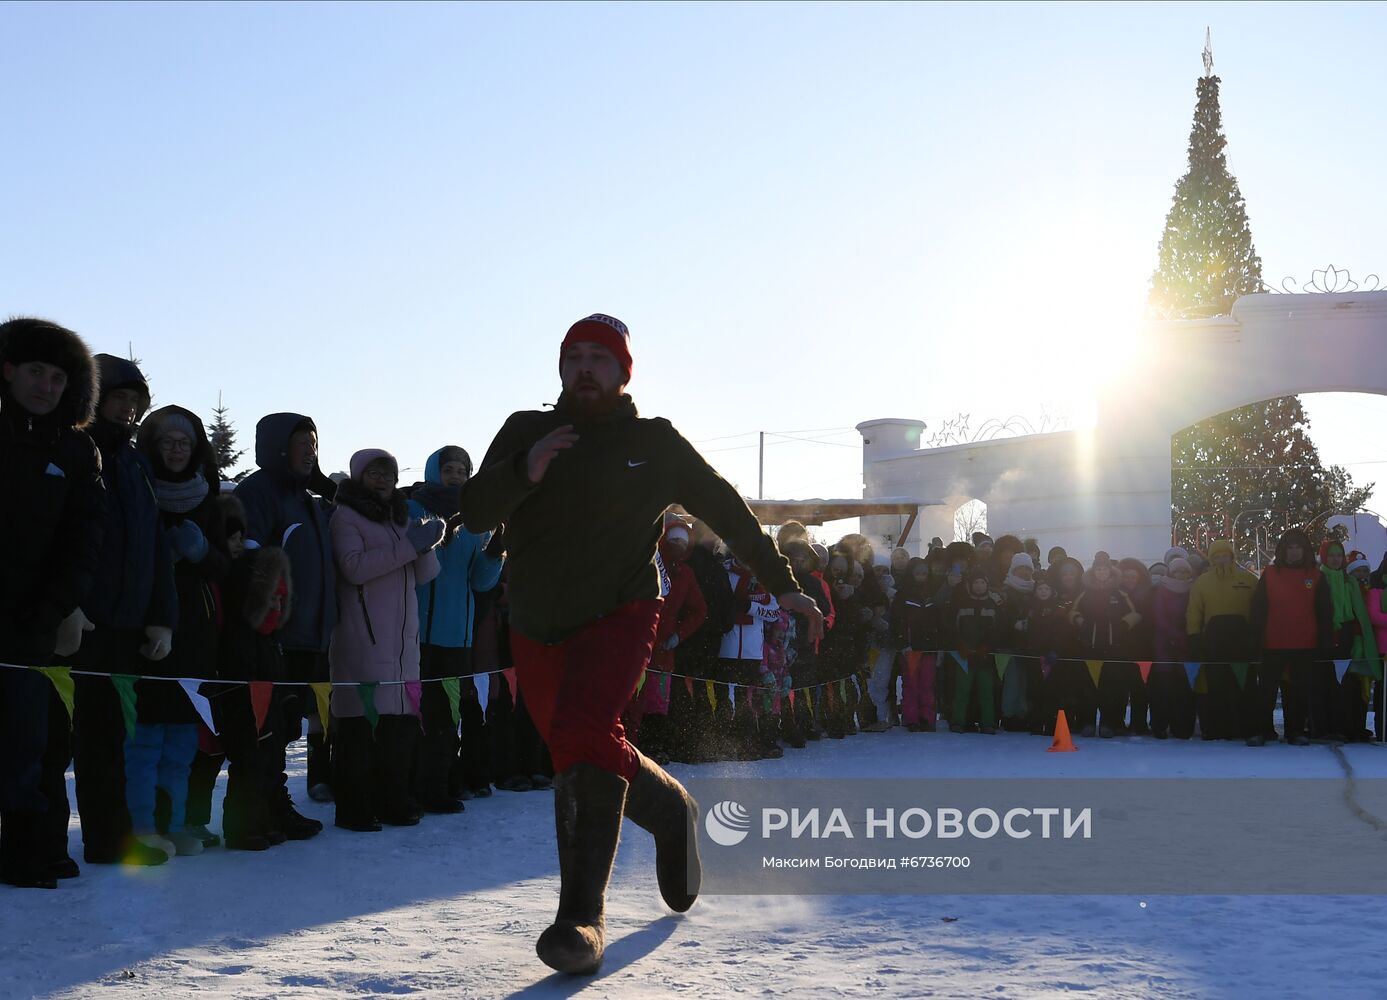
(599, 328)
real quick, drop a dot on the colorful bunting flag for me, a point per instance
(367, 690)
(960, 659)
(511, 682)
(1144, 667)
(61, 677)
(260, 694)
(1368, 668)
(201, 705)
(1240, 674)
(453, 689)
(322, 694)
(688, 686)
(1047, 665)
(1192, 672)
(1095, 670)
(712, 698)
(640, 681)
(843, 690)
(414, 691)
(1340, 668)
(1002, 660)
(125, 687)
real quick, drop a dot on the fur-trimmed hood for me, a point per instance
(250, 589)
(353, 495)
(28, 339)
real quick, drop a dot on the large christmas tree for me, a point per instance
(1253, 471)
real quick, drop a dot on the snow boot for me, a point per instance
(206, 836)
(660, 805)
(186, 843)
(155, 842)
(588, 803)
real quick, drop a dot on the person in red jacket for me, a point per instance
(1291, 620)
(682, 613)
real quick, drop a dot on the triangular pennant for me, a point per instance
(1095, 670)
(960, 659)
(62, 683)
(260, 694)
(1047, 665)
(125, 687)
(414, 691)
(1240, 673)
(640, 681)
(1192, 671)
(1144, 667)
(322, 694)
(792, 697)
(664, 688)
(809, 697)
(688, 685)
(511, 682)
(1340, 668)
(733, 697)
(482, 684)
(367, 690)
(453, 690)
(1368, 668)
(843, 690)
(712, 698)
(1002, 660)
(201, 705)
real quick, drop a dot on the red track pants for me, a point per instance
(576, 690)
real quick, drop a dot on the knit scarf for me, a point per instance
(1175, 586)
(182, 496)
(1339, 594)
(1018, 584)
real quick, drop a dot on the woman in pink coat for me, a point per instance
(381, 555)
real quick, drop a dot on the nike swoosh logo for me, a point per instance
(635, 465)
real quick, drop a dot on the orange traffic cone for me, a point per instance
(1063, 743)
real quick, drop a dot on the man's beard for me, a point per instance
(588, 405)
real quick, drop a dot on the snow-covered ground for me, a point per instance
(451, 908)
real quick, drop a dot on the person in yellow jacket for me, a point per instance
(1219, 636)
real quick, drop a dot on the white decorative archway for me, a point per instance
(1109, 488)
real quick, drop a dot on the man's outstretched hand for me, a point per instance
(804, 605)
(544, 450)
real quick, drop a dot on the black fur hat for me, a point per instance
(28, 339)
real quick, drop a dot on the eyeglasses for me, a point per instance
(380, 475)
(175, 444)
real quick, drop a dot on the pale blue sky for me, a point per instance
(809, 216)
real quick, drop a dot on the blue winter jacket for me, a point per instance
(133, 586)
(281, 512)
(448, 604)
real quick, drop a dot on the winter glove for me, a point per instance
(496, 547)
(671, 642)
(70, 633)
(188, 542)
(160, 642)
(425, 535)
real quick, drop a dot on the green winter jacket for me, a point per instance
(582, 542)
